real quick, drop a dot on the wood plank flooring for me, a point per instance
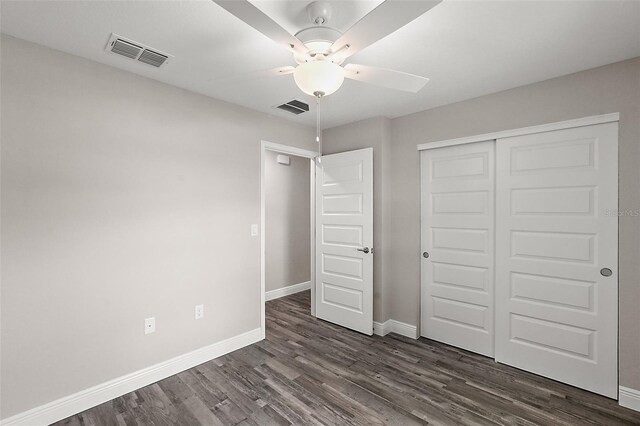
(310, 372)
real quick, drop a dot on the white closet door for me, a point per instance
(458, 234)
(556, 313)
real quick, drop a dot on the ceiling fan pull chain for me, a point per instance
(318, 138)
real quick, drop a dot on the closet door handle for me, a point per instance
(425, 254)
(364, 250)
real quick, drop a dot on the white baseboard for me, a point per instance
(381, 328)
(83, 400)
(393, 326)
(629, 398)
(286, 291)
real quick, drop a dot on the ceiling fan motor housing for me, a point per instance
(318, 41)
(319, 38)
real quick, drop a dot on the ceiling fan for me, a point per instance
(321, 51)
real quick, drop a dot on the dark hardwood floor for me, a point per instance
(311, 372)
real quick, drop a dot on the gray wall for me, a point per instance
(612, 88)
(287, 222)
(374, 133)
(122, 198)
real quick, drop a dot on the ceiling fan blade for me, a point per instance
(273, 72)
(254, 17)
(388, 17)
(385, 78)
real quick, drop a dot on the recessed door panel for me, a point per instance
(342, 204)
(552, 336)
(562, 292)
(341, 297)
(460, 166)
(553, 246)
(471, 203)
(469, 240)
(342, 235)
(554, 156)
(460, 276)
(341, 174)
(465, 314)
(549, 201)
(342, 266)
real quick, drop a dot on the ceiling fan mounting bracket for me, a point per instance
(319, 12)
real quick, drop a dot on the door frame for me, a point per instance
(298, 152)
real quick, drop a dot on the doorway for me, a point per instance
(340, 219)
(287, 206)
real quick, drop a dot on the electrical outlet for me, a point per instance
(254, 229)
(199, 311)
(150, 325)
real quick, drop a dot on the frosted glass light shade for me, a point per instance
(319, 76)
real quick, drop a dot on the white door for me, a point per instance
(344, 239)
(556, 304)
(457, 245)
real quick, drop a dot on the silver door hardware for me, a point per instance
(606, 272)
(425, 255)
(364, 250)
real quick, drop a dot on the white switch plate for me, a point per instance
(150, 325)
(199, 311)
(254, 229)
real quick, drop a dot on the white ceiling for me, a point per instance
(466, 48)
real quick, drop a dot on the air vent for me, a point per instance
(152, 58)
(295, 107)
(134, 50)
(124, 48)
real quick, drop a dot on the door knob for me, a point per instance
(364, 250)
(606, 272)
(425, 255)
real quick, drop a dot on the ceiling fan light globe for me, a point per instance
(319, 76)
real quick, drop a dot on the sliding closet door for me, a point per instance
(457, 245)
(556, 255)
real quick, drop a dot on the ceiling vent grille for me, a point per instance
(127, 49)
(294, 107)
(138, 51)
(152, 58)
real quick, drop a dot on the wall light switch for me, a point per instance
(254, 229)
(150, 325)
(199, 311)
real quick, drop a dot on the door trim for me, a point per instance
(298, 152)
(560, 125)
